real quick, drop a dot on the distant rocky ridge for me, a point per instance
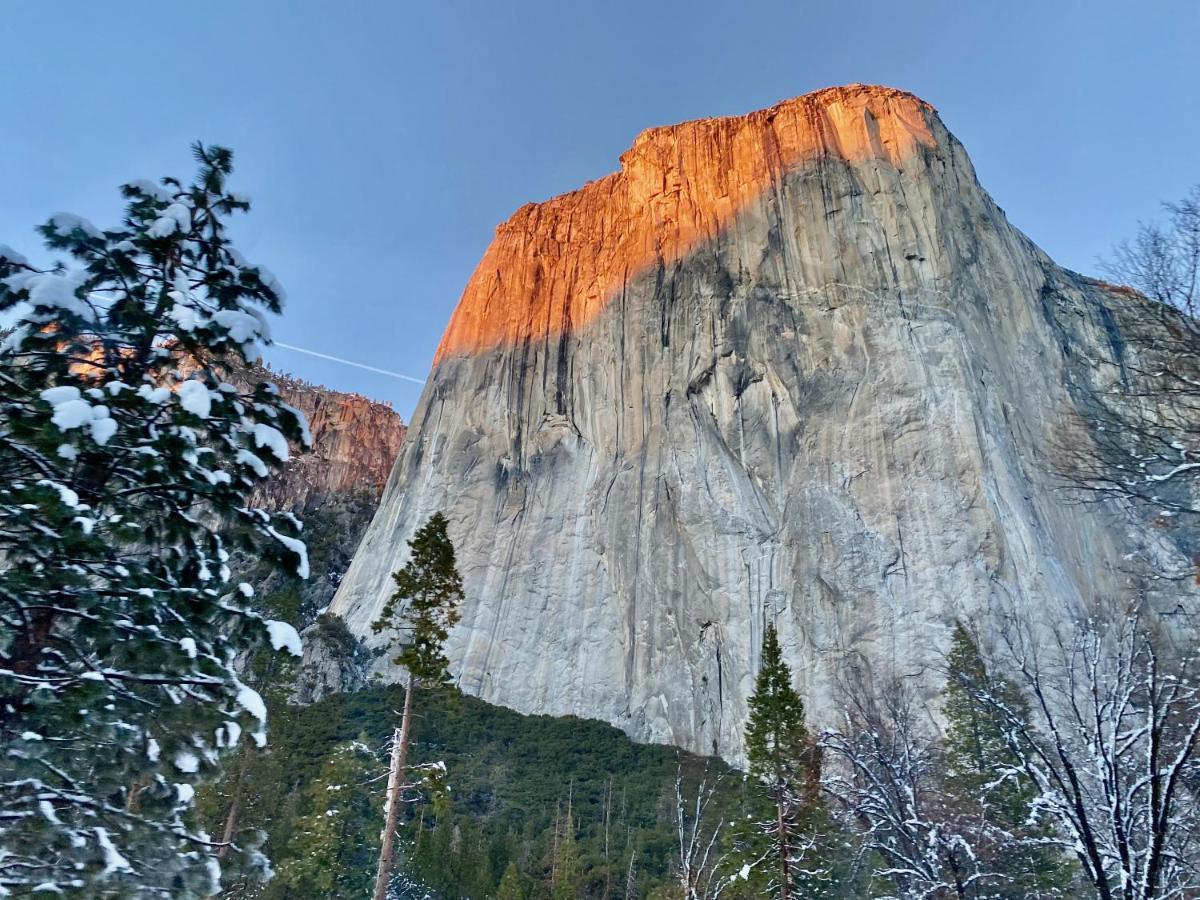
(793, 366)
(355, 441)
(334, 487)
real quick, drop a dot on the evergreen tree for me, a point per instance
(126, 464)
(252, 791)
(991, 797)
(424, 607)
(568, 879)
(335, 843)
(418, 618)
(784, 760)
(511, 887)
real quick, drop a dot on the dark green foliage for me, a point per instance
(977, 742)
(508, 776)
(334, 846)
(568, 876)
(793, 835)
(255, 792)
(987, 793)
(420, 614)
(777, 742)
(511, 886)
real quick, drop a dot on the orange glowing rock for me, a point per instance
(555, 265)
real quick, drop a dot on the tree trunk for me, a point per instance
(784, 871)
(554, 851)
(22, 658)
(607, 815)
(396, 773)
(235, 808)
(230, 826)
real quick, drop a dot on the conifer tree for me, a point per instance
(992, 796)
(418, 618)
(980, 760)
(511, 887)
(784, 760)
(237, 806)
(568, 878)
(334, 844)
(126, 465)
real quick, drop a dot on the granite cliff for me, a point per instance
(355, 441)
(794, 365)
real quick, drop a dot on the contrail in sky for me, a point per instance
(348, 362)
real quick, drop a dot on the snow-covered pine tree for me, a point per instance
(126, 461)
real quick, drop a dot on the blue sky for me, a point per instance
(381, 142)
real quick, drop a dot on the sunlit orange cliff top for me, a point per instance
(554, 265)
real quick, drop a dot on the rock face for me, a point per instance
(792, 366)
(355, 441)
(334, 662)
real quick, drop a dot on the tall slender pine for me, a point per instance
(418, 618)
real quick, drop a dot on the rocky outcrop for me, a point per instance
(334, 662)
(355, 441)
(793, 366)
